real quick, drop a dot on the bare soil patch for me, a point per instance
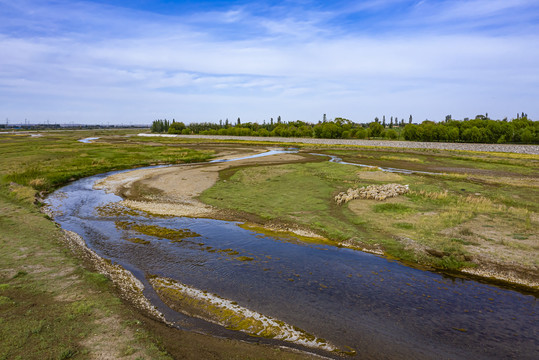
(174, 190)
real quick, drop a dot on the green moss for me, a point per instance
(452, 262)
(175, 235)
(116, 210)
(244, 258)
(230, 252)
(138, 241)
(287, 235)
(4, 286)
(19, 274)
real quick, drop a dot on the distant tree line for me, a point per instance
(478, 130)
(160, 126)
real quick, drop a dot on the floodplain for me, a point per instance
(467, 213)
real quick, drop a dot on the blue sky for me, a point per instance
(135, 61)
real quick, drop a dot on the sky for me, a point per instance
(134, 61)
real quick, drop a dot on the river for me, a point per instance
(379, 307)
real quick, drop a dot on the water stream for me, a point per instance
(338, 160)
(378, 307)
(88, 140)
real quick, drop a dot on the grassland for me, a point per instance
(49, 161)
(52, 305)
(481, 214)
(478, 213)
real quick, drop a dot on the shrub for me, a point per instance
(176, 128)
(391, 134)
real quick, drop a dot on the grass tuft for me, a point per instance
(395, 208)
(67, 354)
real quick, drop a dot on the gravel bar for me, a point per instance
(503, 148)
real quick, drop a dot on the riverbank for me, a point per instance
(175, 191)
(54, 301)
(404, 231)
(37, 273)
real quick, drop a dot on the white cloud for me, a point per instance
(172, 66)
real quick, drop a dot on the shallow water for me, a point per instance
(338, 160)
(379, 307)
(262, 154)
(87, 140)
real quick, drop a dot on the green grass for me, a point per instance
(51, 306)
(403, 225)
(392, 208)
(303, 194)
(47, 162)
(296, 193)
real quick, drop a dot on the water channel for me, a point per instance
(379, 307)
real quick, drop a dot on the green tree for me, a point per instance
(453, 133)
(328, 130)
(176, 128)
(375, 129)
(410, 132)
(361, 133)
(391, 134)
(527, 136)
